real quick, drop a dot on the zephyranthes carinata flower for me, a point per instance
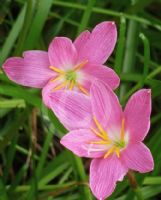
(101, 130)
(67, 65)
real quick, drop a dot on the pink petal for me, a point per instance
(104, 173)
(72, 108)
(78, 141)
(81, 40)
(32, 70)
(105, 106)
(62, 53)
(102, 73)
(47, 91)
(138, 157)
(137, 115)
(101, 43)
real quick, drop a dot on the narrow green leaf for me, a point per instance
(10, 157)
(13, 103)
(9, 43)
(146, 57)
(43, 156)
(38, 23)
(120, 46)
(108, 12)
(86, 16)
(26, 26)
(53, 174)
(130, 51)
(20, 92)
(152, 180)
(3, 193)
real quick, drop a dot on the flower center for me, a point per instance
(71, 75)
(68, 78)
(113, 146)
(120, 144)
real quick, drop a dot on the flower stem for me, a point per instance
(134, 185)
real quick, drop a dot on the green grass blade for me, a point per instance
(3, 193)
(146, 57)
(9, 43)
(53, 174)
(130, 51)
(108, 12)
(18, 92)
(44, 153)
(81, 174)
(10, 157)
(38, 23)
(26, 26)
(86, 16)
(120, 46)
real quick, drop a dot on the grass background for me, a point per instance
(33, 165)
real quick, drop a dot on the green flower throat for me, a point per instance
(71, 75)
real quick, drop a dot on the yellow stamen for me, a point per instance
(122, 129)
(71, 85)
(110, 151)
(82, 89)
(103, 132)
(56, 79)
(100, 142)
(98, 134)
(56, 69)
(80, 65)
(60, 86)
(117, 151)
(116, 146)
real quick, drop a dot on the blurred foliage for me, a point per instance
(33, 165)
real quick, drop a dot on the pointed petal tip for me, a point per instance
(146, 93)
(5, 70)
(149, 91)
(60, 38)
(62, 141)
(101, 43)
(146, 90)
(62, 53)
(8, 65)
(104, 176)
(138, 157)
(113, 23)
(109, 24)
(5, 64)
(31, 70)
(4, 67)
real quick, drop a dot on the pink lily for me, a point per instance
(67, 65)
(99, 129)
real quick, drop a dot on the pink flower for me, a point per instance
(67, 65)
(99, 129)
